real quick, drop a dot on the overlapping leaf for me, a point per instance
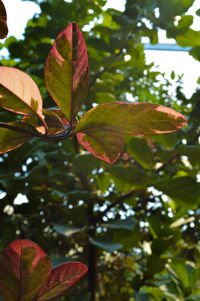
(3, 21)
(61, 278)
(19, 93)
(11, 139)
(101, 129)
(25, 273)
(67, 72)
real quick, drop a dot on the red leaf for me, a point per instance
(3, 21)
(24, 267)
(61, 279)
(25, 273)
(67, 71)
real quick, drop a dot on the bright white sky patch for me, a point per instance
(18, 13)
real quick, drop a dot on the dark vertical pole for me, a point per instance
(91, 252)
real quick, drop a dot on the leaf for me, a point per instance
(61, 278)
(19, 93)
(3, 21)
(141, 152)
(103, 127)
(24, 268)
(183, 189)
(104, 244)
(192, 151)
(104, 147)
(10, 139)
(54, 119)
(67, 230)
(67, 71)
(142, 297)
(86, 162)
(128, 223)
(25, 273)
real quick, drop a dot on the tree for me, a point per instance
(136, 222)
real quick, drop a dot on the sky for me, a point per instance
(166, 61)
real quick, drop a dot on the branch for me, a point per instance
(175, 156)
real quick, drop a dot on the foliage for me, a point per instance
(136, 223)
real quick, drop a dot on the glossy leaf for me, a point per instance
(104, 244)
(128, 223)
(19, 93)
(67, 72)
(61, 278)
(101, 126)
(3, 21)
(24, 267)
(67, 230)
(10, 139)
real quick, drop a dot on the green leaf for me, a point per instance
(19, 93)
(10, 139)
(105, 244)
(67, 72)
(86, 162)
(128, 223)
(183, 189)
(101, 126)
(185, 21)
(192, 151)
(67, 230)
(155, 264)
(180, 268)
(125, 178)
(141, 152)
(3, 21)
(142, 297)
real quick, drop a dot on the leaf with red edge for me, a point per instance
(19, 93)
(101, 124)
(61, 278)
(24, 267)
(54, 119)
(67, 71)
(3, 21)
(11, 139)
(105, 147)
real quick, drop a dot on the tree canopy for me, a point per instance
(134, 223)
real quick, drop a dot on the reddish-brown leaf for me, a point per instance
(61, 279)
(3, 21)
(24, 267)
(67, 71)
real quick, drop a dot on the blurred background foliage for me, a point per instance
(134, 224)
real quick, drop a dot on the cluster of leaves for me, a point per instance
(135, 223)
